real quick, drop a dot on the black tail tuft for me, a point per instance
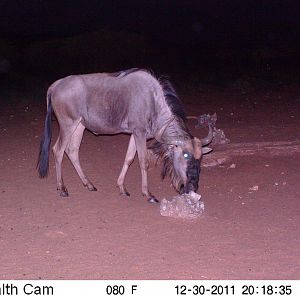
(43, 162)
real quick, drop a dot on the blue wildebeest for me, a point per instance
(132, 102)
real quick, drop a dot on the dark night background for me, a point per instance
(213, 39)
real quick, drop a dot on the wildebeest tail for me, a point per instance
(43, 162)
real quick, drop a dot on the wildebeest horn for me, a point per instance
(192, 117)
(205, 141)
(168, 140)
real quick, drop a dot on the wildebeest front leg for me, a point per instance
(72, 151)
(140, 141)
(130, 154)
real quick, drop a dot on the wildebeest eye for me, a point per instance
(186, 155)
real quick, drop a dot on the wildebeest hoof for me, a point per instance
(64, 193)
(92, 189)
(152, 200)
(126, 194)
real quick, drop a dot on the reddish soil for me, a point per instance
(243, 234)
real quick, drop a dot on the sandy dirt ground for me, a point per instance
(250, 228)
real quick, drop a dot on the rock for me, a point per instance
(219, 137)
(186, 206)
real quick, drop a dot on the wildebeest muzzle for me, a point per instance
(192, 174)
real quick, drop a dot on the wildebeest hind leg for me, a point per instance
(58, 151)
(130, 154)
(64, 137)
(72, 151)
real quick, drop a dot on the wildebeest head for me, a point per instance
(181, 159)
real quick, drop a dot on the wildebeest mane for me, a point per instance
(121, 74)
(172, 99)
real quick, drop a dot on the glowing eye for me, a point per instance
(186, 155)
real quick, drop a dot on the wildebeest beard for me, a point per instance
(165, 155)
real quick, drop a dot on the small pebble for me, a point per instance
(254, 188)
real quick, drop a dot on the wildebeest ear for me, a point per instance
(206, 150)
